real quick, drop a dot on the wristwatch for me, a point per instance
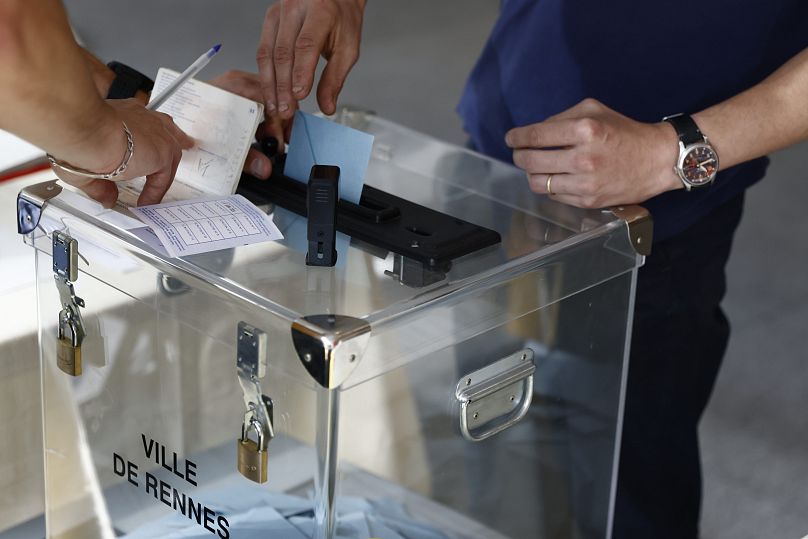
(127, 82)
(697, 164)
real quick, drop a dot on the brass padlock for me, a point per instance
(68, 348)
(252, 455)
(68, 357)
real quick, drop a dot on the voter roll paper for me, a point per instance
(222, 125)
(207, 224)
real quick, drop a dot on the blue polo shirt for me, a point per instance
(644, 59)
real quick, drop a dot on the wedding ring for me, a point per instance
(549, 186)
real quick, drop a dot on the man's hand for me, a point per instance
(158, 150)
(295, 34)
(248, 85)
(597, 157)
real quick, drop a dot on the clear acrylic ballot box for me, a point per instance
(243, 394)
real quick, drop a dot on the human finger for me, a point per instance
(336, 71)
(559, 184)
(258, 164)
(265, 59)
(570, 200)
(263, 130)
(291, 22)
(544, 135)
(181, 137)
(543, 161)
(103, 191)
(185, 141)
(158, 183)
(274, 127)
(308, 47)
(241, 83)
(586, 107)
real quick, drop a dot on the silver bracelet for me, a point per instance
(130, 151)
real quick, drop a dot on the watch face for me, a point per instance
(699, 164)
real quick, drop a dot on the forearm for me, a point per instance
(768, 117)
(102, 75)
(47, 95)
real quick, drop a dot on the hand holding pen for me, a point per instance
(152, 141)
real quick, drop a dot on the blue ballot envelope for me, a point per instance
(319, 141)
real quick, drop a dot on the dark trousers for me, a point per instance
(679, 338)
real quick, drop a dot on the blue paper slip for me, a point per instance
(317, 141)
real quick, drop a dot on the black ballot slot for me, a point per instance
(421, 237)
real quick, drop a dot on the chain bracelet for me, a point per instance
(130, 151)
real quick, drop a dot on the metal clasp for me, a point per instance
(70, 332)
(251, 363)
(496, 397)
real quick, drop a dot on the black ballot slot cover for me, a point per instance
(381, 219)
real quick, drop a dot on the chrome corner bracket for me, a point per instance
(640, 227)
(330, 346)
(251, 365)
(495, 397)
(71, 327)
(30, 203)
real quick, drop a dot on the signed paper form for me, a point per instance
(222, 124)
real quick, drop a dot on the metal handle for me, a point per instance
(488, 397)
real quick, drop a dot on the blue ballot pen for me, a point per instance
(192, 70)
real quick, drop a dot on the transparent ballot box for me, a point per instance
(244, 394)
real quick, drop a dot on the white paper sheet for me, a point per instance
(223, 125)
(207, 224)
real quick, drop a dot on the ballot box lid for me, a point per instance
(381, 289)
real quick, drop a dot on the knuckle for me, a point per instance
(263, 53)
(267, 87)
(353, 54)
(272, 11)
(305, 43)
(282, 54)
(534, 162)
(534, 136)
(283, 86)
(587, 202)
(300, 73)
(589, 129)
(591, 202)
(591, 103)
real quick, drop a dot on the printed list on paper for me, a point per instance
(207, 224)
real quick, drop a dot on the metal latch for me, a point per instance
(70, 331)
(496, 397)
(251, 362)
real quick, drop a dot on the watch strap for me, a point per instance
(127, 82)
(686, 128)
